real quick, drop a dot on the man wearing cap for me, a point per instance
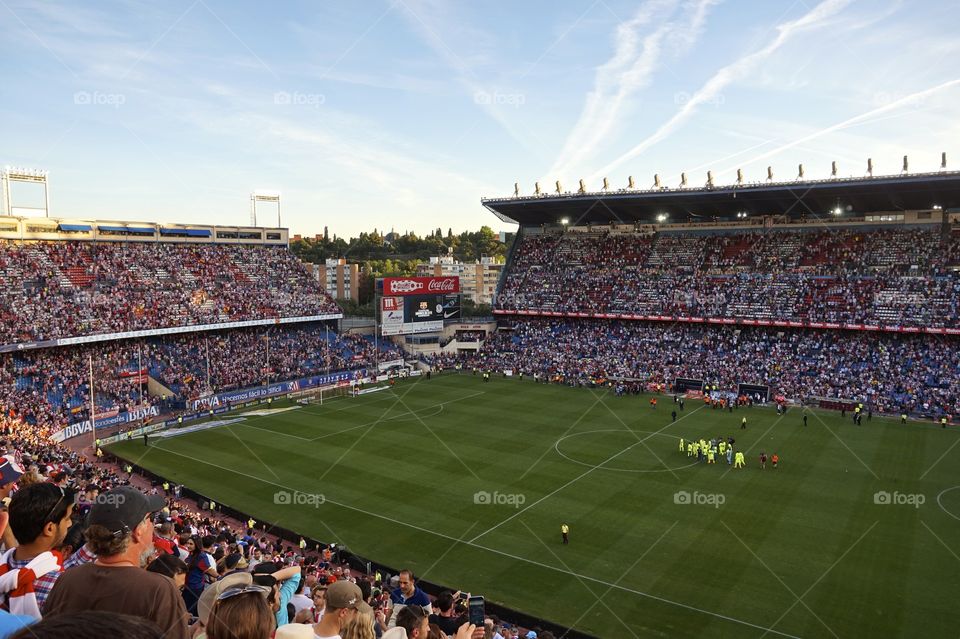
(10, 472)
(121, 534)
(344, 599)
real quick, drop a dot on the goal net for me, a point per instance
(321, 394)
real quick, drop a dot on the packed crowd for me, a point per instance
(89, 553)
(50, 387)
(897, 277)
(893, 373)
(65, 289)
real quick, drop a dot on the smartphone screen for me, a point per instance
(476, 609)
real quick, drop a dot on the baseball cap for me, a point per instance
(294, 631)
(120, 510)
(343, 594)
(211, 592)
(10, 470)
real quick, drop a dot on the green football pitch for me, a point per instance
(856, 534)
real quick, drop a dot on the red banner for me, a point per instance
(420, 285)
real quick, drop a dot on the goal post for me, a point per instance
(320, 394)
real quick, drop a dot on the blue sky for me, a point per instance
(405, 113)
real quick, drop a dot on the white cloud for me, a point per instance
(712, 89)
(630, 69)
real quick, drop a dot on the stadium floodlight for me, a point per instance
(837, 210)
(870, 167)
(662, 217)
(583, 186)
(937, 207)
(565, 220)
(833, 169)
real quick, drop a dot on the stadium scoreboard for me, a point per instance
(411, 305)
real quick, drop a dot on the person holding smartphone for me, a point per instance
(444, 614)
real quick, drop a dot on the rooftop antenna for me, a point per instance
(870, 167)
(583, 187)
(710, 179)
(606, 184)
(683, 180)
(800, 172)
(739, 176)
(656, 181)
(516, 189)
(943, 161)
(833, 169)
(536, 188)
(906, 165)
(769, 174)
(559, 188)
(630, 183)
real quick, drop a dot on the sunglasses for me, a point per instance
(63, 495)
(233, 591)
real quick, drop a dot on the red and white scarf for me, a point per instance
(16, 584)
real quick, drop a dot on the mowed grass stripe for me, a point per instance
(798, 519)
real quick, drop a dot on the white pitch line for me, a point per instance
(584, 474)
(499, 552)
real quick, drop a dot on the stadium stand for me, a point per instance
(70, 289)
(50, 387)
(890, 372)
(858, 276)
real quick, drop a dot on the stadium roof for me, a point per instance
(855, 196)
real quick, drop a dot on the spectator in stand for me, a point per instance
(343, 601)
(202, 569)
(171, 566)
(407, 593)
(241, 612)
(284, 583)
(40, 516)
(120, 533)
(444, 617)
(163, 537)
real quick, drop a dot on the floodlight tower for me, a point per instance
(28, 176)
(261, 195)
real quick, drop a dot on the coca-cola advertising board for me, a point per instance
(421, 285)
